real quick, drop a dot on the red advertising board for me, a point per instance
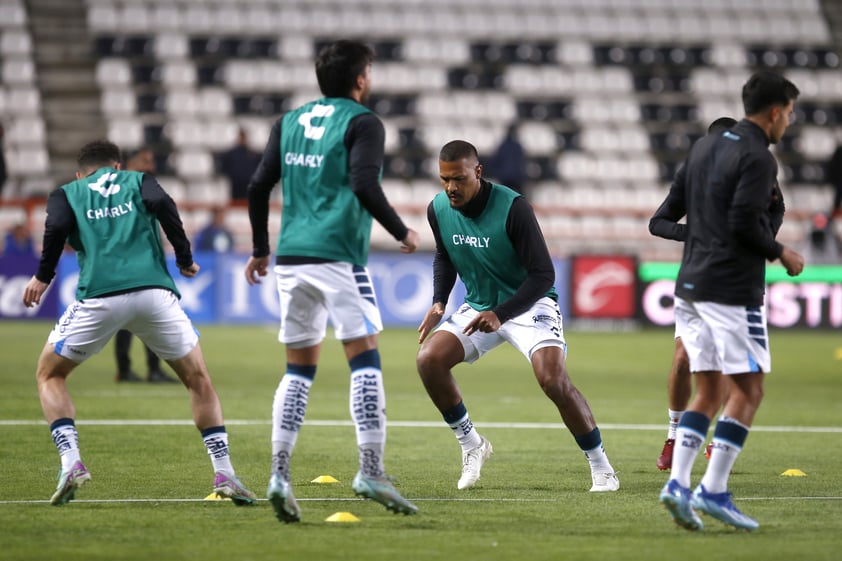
(603, 286)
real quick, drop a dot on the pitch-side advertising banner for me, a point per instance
(603, 287)
(15, 272)
(812, 299)
(403, 285)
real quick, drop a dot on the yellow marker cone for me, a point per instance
(216, 497)
(838, 353)
(794, 473)
(342, 517)
(325, 479)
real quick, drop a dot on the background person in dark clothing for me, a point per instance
(3, 173)
(664, 224)
(834, 176)
(719, 294)
(238, 164)
(507, 165)
(142, 160)
(215, 237)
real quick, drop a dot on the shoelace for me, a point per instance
(471, 457)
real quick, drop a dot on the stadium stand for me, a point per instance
(608, 95)
(24, 141)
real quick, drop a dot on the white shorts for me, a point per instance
(538, 327)
(153, 314)
(730, 339)
(312, 293)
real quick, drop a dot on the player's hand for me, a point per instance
(256, 267)
(793, 261)
(486, 321)
(410, 243)
(33, 291)
(431, 320)
(190, 271)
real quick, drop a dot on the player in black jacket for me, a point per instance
(729, 181)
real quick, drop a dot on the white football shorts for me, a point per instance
(538, 327)
(311, 294)
(730, 339)
(153, 314)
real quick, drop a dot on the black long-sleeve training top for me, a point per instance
(61, 222)
(664, 223)
(528, 242)
(364, 141)
(730, 184)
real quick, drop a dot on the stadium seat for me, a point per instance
(126, 133)
(605, 93)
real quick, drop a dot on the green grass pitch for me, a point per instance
(144, 501)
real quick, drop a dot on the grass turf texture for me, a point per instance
(532, 502)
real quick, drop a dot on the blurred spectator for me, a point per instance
(834, 176)
(238, 165)
(215, 236)
(142, 160)
(19, 242)
(2, 161)
(508, 163)
(822, 246)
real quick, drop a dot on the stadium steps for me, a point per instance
(66, 78)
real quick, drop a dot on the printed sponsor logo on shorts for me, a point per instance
(549, 321)
(68, 316)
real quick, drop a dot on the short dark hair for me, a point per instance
(99, 153)
(721, 124)
(765, 89)
(339, 64)
(456, 150)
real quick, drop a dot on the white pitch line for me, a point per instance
(399, 424)
(351, 499)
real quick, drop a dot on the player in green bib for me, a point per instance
(328, 156)
(488, 235)
(111, 218)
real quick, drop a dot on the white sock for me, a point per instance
(728, 439)
(465, 433)
(368, 411)
(687, 445)
(288, 409)
(217, 446)
(598, 460)
(675, 417)
(66, 440)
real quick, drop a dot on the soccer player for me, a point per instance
(664, 223)
(488, 235)
(111, 218)
(719, 307)
(328, 155)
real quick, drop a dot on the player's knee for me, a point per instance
(555, 384)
